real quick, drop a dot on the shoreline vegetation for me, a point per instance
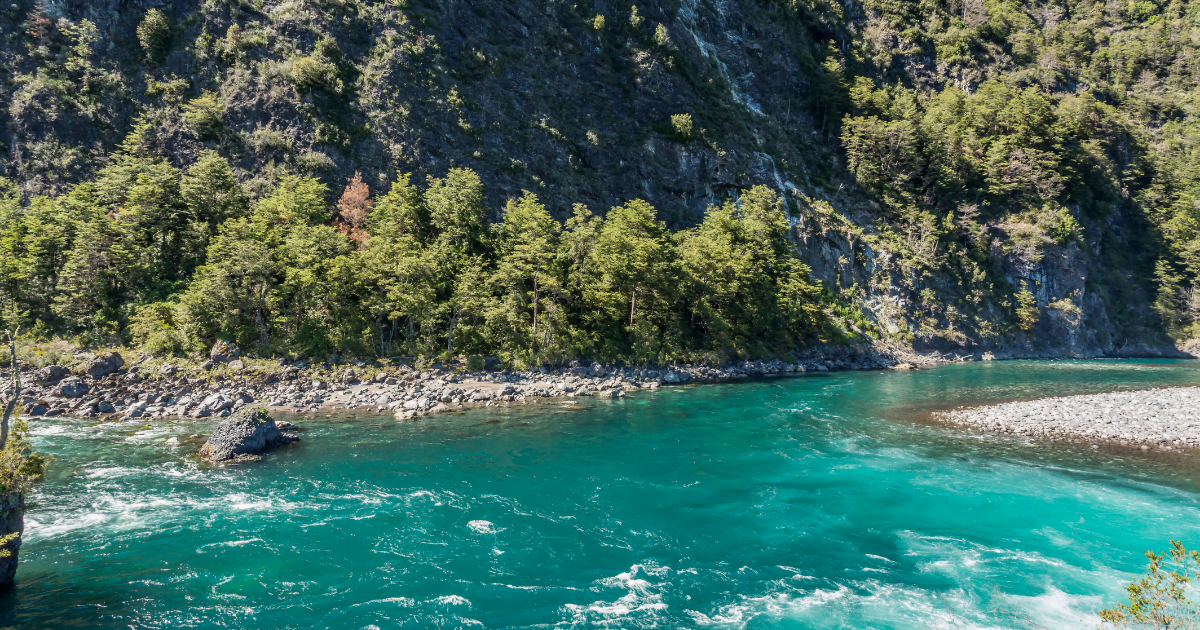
(173, 262)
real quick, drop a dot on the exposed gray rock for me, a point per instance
(52, 374)
(104, 364)
(243, 436)
(71, 387)
(223, 352)
(12, 520)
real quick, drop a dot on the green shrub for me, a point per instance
(661, 37)
(154, 33)
(1027, 310)
(682, 125)
(202, 115)
(153, 329)
(315, 72)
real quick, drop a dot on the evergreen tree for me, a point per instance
(457, 210)
(401, 211)
(526, 273)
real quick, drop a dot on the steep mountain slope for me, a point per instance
(964, 175)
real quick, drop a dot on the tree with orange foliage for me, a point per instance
(353, 209)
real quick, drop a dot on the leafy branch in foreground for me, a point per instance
(20, 466)
(1159, 600)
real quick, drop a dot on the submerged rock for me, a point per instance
(243, 436)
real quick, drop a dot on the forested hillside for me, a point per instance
(544, 179)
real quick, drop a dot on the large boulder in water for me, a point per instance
(243, 436)
(105, 364)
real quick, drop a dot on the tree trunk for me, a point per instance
(632, 304)
(535, 304)
(12, 403)
(259, 321)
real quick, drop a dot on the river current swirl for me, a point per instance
(814, 501)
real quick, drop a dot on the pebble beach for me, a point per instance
(1158, 418)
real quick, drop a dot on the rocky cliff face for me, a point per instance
(532, 95)
(12, 511)
(681, 102)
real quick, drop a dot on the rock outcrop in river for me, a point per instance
(243, 436)
(12, 521)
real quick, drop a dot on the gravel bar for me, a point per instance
(1166, 418)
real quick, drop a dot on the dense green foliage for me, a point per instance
(174, 260)
(1049, 120)
(174, 173)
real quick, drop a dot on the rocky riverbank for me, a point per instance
(1165, 419)
(105, 386)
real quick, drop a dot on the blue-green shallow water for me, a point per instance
(816, 501)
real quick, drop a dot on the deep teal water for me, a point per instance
(816, 501)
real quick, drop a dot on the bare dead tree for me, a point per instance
(11, 406)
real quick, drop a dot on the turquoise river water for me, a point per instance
(814, 501)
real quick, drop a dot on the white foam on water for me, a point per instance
(147, 434)
(1056, 609)
(247, 502)
(401, 602)
(775, 606)
(484, 527)
(228, 543)
(40, 429)
(110, 472)
(451, 600)
(641, 603)
(107, 512)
